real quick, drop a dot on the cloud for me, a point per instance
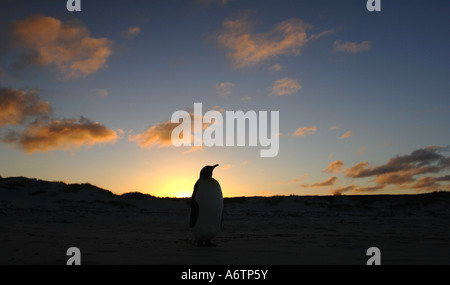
(425, 183)
(226, 166)
(346, 135)
(443, 178)
(341, 190)
(329, 182)
(16, 106)
(276, 67)
(402, 169)
(247, 49)
(429, 183)
(355, 189)
(368, 189)
(246, 98)
(46, 134)
(411, 171)
(356, 170)
(68, 46)
(285, 86)
(161, 134)
(395, 178)
(305, 131)
(334, 167)
(351, 47)
(131, 33)
(224, 89)
(418, 162)
(337, 127)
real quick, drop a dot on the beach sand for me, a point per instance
(40, 220)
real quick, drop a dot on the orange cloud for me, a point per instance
(226, 166)
(67, 46)
(131, 33)
(276, 67)
(368, 189)
(224, 88)
(305, 131)
(429, 183)
(340, 190)
(329, 182)
(334, 167)
(398, 178)
(358, 169)
(46, 134)
(17, 105)
(346, 135)
(426, 183)
(161, 134)
(355, 189)
(247, 49)
(418, 162)
(401, 170)
(285, 86)
(337, 127)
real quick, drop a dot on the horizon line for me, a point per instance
(227, 197)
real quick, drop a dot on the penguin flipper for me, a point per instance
(194, 208)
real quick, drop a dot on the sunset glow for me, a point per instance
(177, 188)
(362, 97)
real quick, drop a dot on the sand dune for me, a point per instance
(40, 220)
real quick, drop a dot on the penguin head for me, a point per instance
(207, 171)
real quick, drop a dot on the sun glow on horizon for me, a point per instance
(176, 188)
(183, 195)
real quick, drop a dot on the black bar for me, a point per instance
(213, 274)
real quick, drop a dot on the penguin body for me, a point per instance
(206, 207)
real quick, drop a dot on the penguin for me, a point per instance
(206, 209)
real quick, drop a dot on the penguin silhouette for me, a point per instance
(206, 208)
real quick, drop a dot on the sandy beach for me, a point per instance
(40, 220)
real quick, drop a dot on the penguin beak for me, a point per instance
(215, 166)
